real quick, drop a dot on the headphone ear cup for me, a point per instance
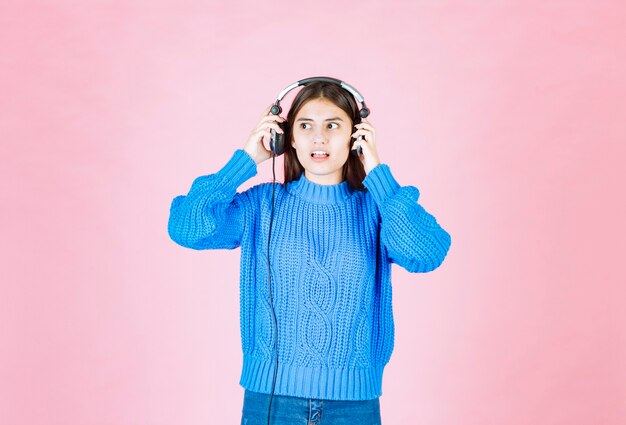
(355, 152)
(277, 140)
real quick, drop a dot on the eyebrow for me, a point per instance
(327, 119)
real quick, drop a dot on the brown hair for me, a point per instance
(353, 170)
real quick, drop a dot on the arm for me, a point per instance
(411, 235)
(212, 215)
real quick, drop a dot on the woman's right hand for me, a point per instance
(255, 146)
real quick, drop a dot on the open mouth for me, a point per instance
(319, 154)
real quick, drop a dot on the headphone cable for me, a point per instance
(269, 285)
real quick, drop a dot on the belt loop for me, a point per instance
(315, 411)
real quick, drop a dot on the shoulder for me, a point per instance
(362, 194)
(261, 191)
(366, 203)
(266, 187)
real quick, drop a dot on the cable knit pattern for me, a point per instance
(331, 253)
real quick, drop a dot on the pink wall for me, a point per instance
(508, 116)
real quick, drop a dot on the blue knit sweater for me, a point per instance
(331, 253)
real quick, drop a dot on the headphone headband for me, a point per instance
(363, 112)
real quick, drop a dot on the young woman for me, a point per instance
(339, 221)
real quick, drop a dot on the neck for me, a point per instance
(327, 179)
(320, 193)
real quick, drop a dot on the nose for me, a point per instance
(319, 137)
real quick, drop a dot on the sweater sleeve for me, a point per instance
(212, 215)
(413, 238)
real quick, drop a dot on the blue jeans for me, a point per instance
(308, 411)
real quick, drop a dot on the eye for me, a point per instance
(333, 125)
(305, 125)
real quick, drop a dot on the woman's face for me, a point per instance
(321, 138)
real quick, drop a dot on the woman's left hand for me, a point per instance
(369, 156)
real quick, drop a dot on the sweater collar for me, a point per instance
(319, 193)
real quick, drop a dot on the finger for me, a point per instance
(365, 125)
(267, 120)
(364, 133)
(272, 117)
(261, 133)
(268, 125)
(359, 153)
(266, 111)
(362, 144)
(269, 110)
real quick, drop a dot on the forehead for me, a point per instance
(321, 108)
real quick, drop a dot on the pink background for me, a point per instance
(507, 115)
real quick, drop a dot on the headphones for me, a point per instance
(277, 140)
(277, 147)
